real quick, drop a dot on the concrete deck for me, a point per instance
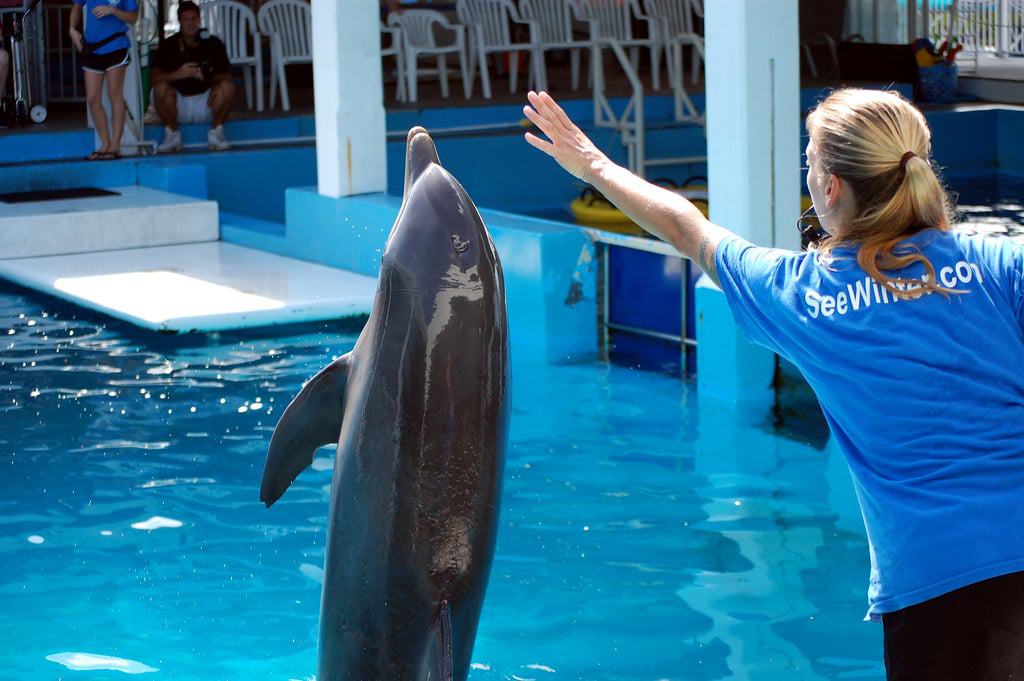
(992, 78)
(134, 217)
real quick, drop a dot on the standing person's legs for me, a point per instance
(115, 92)
(94, 97)
(222, 98)
(974, 633)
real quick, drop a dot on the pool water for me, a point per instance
(643, 535)
(991, 204)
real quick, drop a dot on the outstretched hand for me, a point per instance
(569, 146)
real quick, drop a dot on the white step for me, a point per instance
(137, 217)
(197, 287)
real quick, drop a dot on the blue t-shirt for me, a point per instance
(100, 29)
(925, 398)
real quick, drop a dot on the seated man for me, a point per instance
(191, 79)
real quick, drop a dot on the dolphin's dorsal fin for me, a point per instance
(312, 420)
(438, 660)
(420, 153)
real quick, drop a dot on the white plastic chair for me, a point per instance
(417, 28)
(394, 49)
(555, 17)
(289, 24)
(488, 21)
(673, 23)
(235, 24)
(613, 19)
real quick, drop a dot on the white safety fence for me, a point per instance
(982, 26)
(994, 27)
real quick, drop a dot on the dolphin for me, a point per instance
(419, 410)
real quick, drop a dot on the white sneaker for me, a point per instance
(151, 117)
(216, 140)
(172, 142)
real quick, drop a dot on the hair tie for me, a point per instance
(906, 157)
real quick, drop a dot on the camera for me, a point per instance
(207, 70)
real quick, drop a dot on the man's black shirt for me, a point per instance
(209, 53)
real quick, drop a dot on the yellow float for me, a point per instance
(593, 210)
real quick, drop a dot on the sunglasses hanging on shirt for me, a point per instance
(810, 229)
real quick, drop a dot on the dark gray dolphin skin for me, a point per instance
(419, 410)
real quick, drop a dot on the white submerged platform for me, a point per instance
(206, 286)
(135, 217)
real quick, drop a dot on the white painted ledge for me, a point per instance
(197, 287)
(137, 217)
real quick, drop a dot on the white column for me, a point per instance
(753, 118)
(912, 33)
(348, 89)
(752, 72)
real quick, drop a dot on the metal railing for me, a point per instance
(63, 74)
(983, 26)
(604, 243)
(632, 123)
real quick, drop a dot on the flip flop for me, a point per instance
(110, 156)
(95, 156)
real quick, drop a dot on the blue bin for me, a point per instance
(937, 83)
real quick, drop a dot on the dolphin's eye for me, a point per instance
(460, 245)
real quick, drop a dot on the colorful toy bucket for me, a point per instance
(937, 83)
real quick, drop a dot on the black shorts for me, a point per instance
(101, 63)
(975, 633)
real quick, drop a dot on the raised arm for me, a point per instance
(661, 212)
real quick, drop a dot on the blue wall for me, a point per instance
(499, 170)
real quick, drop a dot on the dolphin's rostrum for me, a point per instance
(419, 410)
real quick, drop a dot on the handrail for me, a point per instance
(632, 123)
(989, 26)
(633, 131)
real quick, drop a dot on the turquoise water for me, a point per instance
(643, 535)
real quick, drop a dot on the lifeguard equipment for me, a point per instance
(25, 111)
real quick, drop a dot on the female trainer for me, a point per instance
(910, 334)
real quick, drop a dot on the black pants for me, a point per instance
(975, 633)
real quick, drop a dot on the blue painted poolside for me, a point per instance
(266, 201)
(644, 534)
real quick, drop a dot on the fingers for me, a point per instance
(545, 125)
(559, 112)
(550, 110)
(546, 147)
(544, 110)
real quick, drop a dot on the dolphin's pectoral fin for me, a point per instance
(312, 420)
(438, 662)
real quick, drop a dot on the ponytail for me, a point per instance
(879, 144)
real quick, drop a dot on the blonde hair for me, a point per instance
(862, 136)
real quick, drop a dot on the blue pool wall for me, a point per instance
(265, 201)
(549, 266)
(251, 182)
